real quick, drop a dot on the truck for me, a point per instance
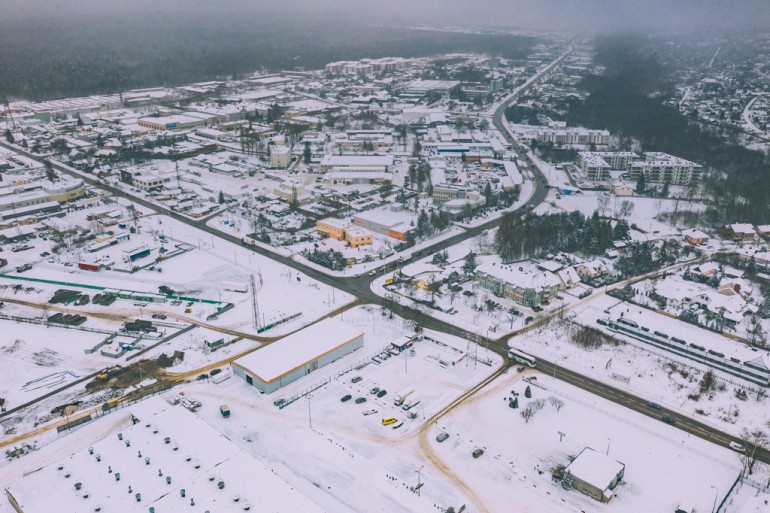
(87, 266)
(224, 410)
(401, 396)
(218, 378)
(410, 402)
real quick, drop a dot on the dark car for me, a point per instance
(215, 372)
(346, 398)
(382, 393)
(654, 406)
(356, 379)
(361, 400)
(668, 420)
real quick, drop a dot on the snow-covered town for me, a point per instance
(516, 270)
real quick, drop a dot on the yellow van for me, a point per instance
(389, 421)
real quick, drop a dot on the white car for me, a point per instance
(737, 447)
(370, 412)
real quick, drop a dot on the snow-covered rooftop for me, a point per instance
(594, 468)
(170, 450)
(273, 361)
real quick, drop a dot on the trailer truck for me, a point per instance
(410, 402)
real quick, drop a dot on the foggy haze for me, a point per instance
(564, 15)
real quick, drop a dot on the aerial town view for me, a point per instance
(355, 256)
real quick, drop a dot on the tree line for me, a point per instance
(629, 100)
(568, 232)
(64, 56)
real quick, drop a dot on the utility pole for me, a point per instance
(254, 302)
(419, 482)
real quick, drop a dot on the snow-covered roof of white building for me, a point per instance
(745, 228)
(170, 449)
(594, 468)
(281, 357)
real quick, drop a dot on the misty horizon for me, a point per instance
(586, 16)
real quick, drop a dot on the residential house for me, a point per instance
(591, 270)
(522, 282)
(738, 232)
(695, 237)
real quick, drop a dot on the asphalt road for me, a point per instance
(640, 405)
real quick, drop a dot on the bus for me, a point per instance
(520, 357)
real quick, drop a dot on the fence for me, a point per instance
(727, 495)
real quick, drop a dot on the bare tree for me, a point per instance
(754, 442)
(626, 207)
(556, 402)
(603, 200)
(527, 414)
(755, 334)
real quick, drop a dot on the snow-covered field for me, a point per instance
(660, 377)
(663, 466)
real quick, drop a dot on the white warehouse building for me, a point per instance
(298, 354)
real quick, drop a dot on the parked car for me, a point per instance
(442, 436)
(370, 412)
(389, 421)
(346, 398)
(375, 391)
(360, 400)
(668, 420)
(478, 451)
(215, 372)
(356, 379)
(382, 393)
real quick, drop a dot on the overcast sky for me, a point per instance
(570, 15)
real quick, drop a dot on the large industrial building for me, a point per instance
(298, 354)
(168, 461)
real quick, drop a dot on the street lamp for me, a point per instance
(716, 494)
(309, 416)
(609, 441)
(419, 483)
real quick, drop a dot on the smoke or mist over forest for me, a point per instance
(55, 48)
